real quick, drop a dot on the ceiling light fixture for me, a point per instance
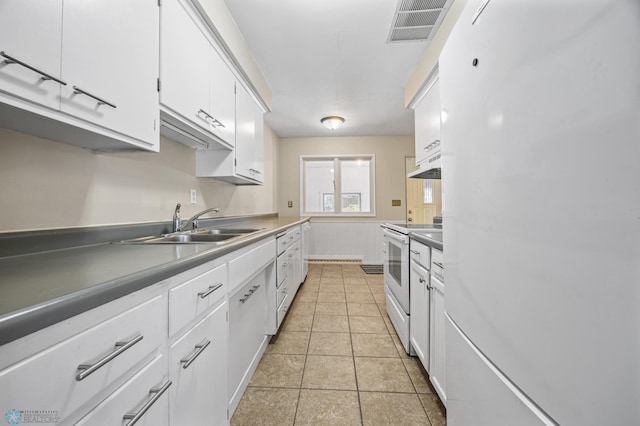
(332, 122)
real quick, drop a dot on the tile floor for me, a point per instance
(338, 361)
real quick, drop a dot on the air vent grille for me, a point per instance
(417, 20)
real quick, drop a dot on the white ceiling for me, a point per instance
(330, 57)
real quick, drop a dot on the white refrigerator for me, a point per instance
(541, 170)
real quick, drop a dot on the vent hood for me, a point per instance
(424, 173)
(430, 167)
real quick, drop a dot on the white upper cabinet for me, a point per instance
(427, 122)
(110, 57)
(249, 137)
(196, 86)
(184, 66)
(31, 32)
(81, 72)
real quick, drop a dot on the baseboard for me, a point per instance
(336, 259)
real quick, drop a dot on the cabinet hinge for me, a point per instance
(159, 3)
(234, 88)
(235, 162)
(158, 84)
(227, 316)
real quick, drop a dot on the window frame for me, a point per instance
(337, 176)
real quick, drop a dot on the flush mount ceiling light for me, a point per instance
(332, 122)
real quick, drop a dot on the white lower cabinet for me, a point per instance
(198, 372)
(419, 306)
(437, 362)
(142, 400)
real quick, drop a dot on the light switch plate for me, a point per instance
(193, 196)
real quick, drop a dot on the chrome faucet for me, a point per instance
(194, 219)
(177, 223)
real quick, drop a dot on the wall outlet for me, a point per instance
(289, 204)
(193, 196)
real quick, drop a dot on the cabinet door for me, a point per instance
(247, 328)
(419, 301)
(427, 121)
(184, 65)
(148, 386)
(437, 339)
(31, 31)
(110, 51)
(222, 99)
(245, 134)
(198, 370)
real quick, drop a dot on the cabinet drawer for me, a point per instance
(282, 310)
(253, 259)
(148, 386)
(421, 253)
(437, 265)
(190, 299)
(287, 239)
(282, 265)
(282, 293)
(198, 370)
(28, 383)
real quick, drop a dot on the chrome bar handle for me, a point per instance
(134, 417)
(12, 60)
(212, 288)
(217, 122)
(248, 295)
(88, 369)
(200, 347)
(207, 115)
(421, 279)
(416, 252)
(79, 91)
(439, 264)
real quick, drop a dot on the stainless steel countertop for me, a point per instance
(41, 289)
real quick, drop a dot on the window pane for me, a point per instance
(427, 191)
(355, 183)
(319, 186)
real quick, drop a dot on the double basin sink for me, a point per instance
(210, 235)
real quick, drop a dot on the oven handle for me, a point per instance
(404, 239)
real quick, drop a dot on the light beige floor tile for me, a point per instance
(289, 343)
(375, 345)
(392, 409)
(354, 279)
(306, 297)
(331, 324)
(380, 298)
(331, 288)
(297, 322)
(273, 406)
(419, 377)
(363, 309)
(396, 340)
(329, 372)
(331, 297)
(279, 371)
(382, 375)
(375, 278)
(327, 407)
(302, 308)
(330, 344)
(435, 411)
(331, 309)
(357, 288)
(360, 297)
(309, 288)
(373, 325)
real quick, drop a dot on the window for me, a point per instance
(349, 179)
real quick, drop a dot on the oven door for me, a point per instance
(396, 266)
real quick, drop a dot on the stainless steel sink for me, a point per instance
(209, 235)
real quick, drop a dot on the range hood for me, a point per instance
(430, 167)
(424, 173)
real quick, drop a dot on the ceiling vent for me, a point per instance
(417, 20)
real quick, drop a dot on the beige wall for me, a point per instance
(47, 184)
(430, 58)
(390, 152)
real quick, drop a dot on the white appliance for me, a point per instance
(396, 276)
(541, 146)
